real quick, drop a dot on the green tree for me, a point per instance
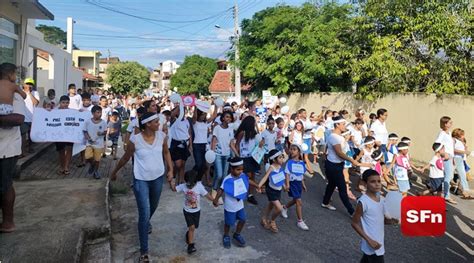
(194, 75)
(128, 77)
(54, 35)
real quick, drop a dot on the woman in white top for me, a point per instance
(444, 137)
(149, 148)
(334, 166)
(180, 133)
(460, 152)
(200, 131)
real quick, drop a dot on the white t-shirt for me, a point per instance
(106, 112)
(92, 129)
(192, 197)
(357, 136)
(246, 147)
(270, 138)
(334, 139)
(435, 172)
(86, 108)
(148, 158)
(447, 141)
(367, 159)
(10, 138)
(223, 136)
(459, 145)
(307, 126)
(75, 102)
(200, 132)
(373, 218)
(380, 132)
(179, 130)
(30, 108)
(231, 204)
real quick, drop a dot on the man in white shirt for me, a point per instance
(31, 101)
(75, 100)
(10, 143)
(380, 133)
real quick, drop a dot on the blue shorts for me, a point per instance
(436, 184)
(403, 185)
(231, 217)
(296, 188)
(308, 142)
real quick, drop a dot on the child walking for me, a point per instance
(64, 149)
(234, 187)
(436, 166)
(94, 131)
(192, 190)
(274, 180)
(113, 131)
(369, 219)
(365, 156)
(295, 169)
(401, 166)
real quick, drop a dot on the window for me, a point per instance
(8, 41)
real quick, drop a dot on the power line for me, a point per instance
(151, 38)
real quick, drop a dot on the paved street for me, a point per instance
(330, 238)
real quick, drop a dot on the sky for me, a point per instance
(153, 31)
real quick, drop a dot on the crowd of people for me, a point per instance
(239, 149)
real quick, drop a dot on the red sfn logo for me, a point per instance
(423, 216)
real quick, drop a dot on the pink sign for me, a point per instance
(189, 100)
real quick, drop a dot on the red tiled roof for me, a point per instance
(111, 60)
(42, 54)
(222, 82)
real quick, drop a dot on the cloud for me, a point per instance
(100, 26)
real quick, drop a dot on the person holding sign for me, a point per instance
(335, 165)
(274, 180)
(148, 148)
(94, 132)
(64, 149)
(234, 187)
(295, 170)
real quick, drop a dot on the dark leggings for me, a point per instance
(336, 179)
(199, 151)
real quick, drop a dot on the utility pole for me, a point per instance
(108, 57)
(69, 40)
(237, 57)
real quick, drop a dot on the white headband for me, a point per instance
(378, 156)
(393, 137)
(241, 162)
(439, 148)
(402, 148)
(275, 155)
(152, 117)
(339, 121)
(369, 142)
(406, 141)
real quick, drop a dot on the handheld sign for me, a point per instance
(258, 153)
(278, 177)
(237, 187)
(189, 100)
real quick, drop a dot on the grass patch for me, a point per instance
(119, 188)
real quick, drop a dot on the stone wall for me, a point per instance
(412, 114)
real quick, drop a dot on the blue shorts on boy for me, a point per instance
(233, 207)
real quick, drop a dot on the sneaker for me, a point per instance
(91, 169)
(451, 201)
(252, 200)
(328, 206)
(302, 225)
(96, 175)
(226, 241)
(191, 248)
(284, 212)
(144, 258)
(240, 240)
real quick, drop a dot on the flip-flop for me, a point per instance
(7, 230)
(60, 172)
(66, 172)
(81, 165)
(469, 197)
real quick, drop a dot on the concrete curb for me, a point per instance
(96, 238)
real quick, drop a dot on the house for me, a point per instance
(160, 77)
(222, 82)
(20, 43)
(88, 62)
(103, 64)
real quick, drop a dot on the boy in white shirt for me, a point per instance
(94, 131)
(75, 100)
(192, 190)
(436, 166)
(369, 219)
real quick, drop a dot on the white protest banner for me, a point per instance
(58, 125)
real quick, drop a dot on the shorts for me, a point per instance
(92, 152)
(7, 170)
(403, 185)
(61, 145)
(114, 139)
(372, 259)
(296, 188)
(272, 194)
(250, 165)
(192, 219)
(231, 217)
(25, 127)
(179, 150)
(308, 142)
(436, 184)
